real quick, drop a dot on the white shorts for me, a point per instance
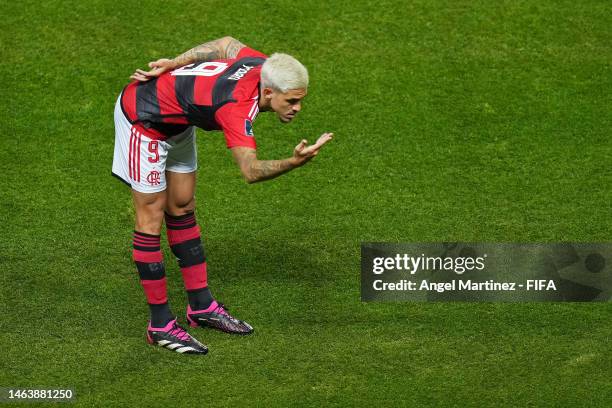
(142, 162)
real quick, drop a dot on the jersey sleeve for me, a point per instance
(249, 52)
(236, 125)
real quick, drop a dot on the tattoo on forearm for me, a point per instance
(210, 51)
(206, 55)
(204, 52)
(268, 169)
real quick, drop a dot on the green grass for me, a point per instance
(454, 120)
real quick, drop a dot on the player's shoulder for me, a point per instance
(240, 110)
(244, 76)
(236, 121)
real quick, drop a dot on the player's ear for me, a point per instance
(268, 92)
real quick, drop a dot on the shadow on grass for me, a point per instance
(281, 262)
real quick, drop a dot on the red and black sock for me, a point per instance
(150, 265)
(184, 239)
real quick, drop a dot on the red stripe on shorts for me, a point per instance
(134, 153)
(131, 152)
(130, 155)
(139, 140)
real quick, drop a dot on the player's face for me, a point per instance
(288, 104)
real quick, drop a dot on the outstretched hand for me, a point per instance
(303, 152)
(157, 68)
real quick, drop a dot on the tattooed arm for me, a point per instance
(226, 47)
(254, 170)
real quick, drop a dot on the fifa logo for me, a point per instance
(154, 178)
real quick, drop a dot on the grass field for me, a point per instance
(454, 120)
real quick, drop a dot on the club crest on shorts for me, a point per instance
(154, 178)
(248, 127)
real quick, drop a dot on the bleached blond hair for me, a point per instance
(282, 72)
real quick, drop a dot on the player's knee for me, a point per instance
(178, 207)
(150, 214)
(150, 222)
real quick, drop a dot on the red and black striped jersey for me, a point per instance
(212, 95)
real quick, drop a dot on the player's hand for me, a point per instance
(157, 68)
(304, 152)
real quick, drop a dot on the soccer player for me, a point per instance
(219, 85)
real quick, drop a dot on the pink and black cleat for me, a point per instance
(175, 338)
(217, 317)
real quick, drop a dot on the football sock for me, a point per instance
(150, 265)
(160, 315)
(184, 239)
(200, 298)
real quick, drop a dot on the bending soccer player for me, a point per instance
(219, 85)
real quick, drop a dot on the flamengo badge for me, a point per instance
(154, 178)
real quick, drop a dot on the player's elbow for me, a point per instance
(248, 176)
(246, 160)
(225, 41)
